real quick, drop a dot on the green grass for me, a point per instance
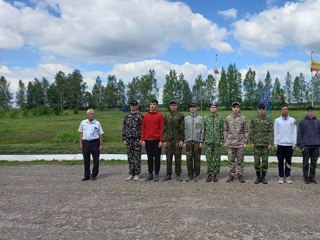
(59, 134)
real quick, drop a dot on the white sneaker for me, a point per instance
(136, 178)
(281, 180)
(288, 180)
(129, 178)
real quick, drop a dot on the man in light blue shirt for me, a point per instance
(285, 139)
(91, 142)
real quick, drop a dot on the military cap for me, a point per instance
(192, 105)
(261, 106)
(213, 104)
(134, 102)
(172, 102)
(235, 104)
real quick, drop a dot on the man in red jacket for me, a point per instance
(151, 139)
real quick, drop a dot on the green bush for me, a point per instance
(13, 113)
(2, 113)
(76, 111)
(25, 113)
(67, 137)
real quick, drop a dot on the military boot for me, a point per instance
(230, 178)
(263, 178)
(214, 178)
(240, 178)
(209, 178)
(167, 177)
(258, 177)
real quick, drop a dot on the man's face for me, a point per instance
(153, 107)
(173, 107)
(310, 113)
(236, 109)
(213, 109)
(284, 111)
(262, 111)
(193, 109)
(90, 115)
(133, 107)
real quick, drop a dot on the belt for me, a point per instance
(90, 140)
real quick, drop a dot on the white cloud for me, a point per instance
(273, 29)
(127, 71)
(279, 70)
(229, 14)
(48, 71)
(113, 30)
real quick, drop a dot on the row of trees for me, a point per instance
(69, 91)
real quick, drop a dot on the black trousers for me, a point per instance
(153, 154)
(284, 153)
(312, 154)
(88, 148)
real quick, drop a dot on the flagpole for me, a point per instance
(311, 81)
(215, 78)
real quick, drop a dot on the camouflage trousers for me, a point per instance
(213, 157)
(236, 158)
(134, 156)
(261, 154)
(193, 152)
(173, 149)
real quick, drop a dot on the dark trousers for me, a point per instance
(91, 147)
(153, 154)
(284, 153)
(312, 154)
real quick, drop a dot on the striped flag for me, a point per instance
(315, 66)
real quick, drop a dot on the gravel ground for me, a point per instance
(50, 202)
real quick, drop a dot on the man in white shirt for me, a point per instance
(285, 139)
(91, 141)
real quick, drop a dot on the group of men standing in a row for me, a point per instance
(174, 132)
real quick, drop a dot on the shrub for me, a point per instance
(13, 113)
(76, 111)
(67, 137)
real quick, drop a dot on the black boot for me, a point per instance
(258, 177)
(263, 178)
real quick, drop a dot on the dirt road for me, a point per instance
(50, 202)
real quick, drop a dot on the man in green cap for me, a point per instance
(213, 137)
(261, 139)
(173, 137)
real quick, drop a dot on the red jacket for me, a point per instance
(152, 126)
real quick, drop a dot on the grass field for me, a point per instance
(59, 134)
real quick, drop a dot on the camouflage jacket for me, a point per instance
(261, 131)
(132, 126)
(193, 128)
(236, 130)
(173, 128)
(213, 129)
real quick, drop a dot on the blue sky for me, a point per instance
(128, 37)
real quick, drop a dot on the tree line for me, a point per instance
(69, 91)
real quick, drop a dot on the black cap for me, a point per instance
(235, 104)
(213, 104)
(172, 102)
(261, 106)
(134, 102)
(309, 108)
(192, 104)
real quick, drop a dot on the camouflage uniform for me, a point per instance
(131, 134)
(194, 135)
(173, 133)
(236, 135)
(261, 135)
(213, 132)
